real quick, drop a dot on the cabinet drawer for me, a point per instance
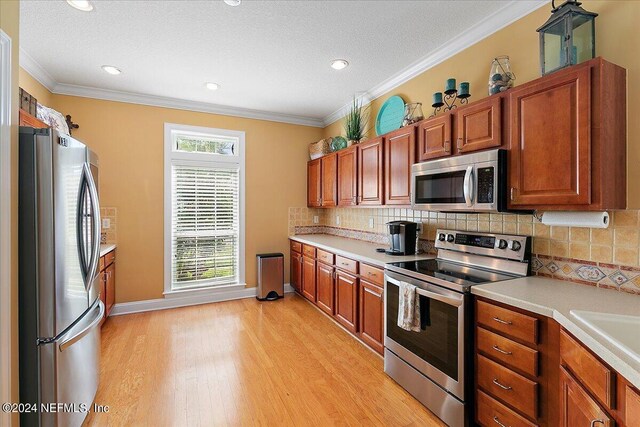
(508, 322)
(508, 386)
(296, 246)
(347, 264)
(490, 412)
(592, 373)
(309, 251)
(109, 258)
(509, 352)
(324, 256)
(372, 274)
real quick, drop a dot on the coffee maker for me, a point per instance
(403, 236)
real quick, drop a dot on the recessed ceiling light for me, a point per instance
(212, 86)
(83, 5)
(339, 64)
(112, 70)
(233, 2)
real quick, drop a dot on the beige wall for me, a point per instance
(129, 140)
(616, 37)
(9, 20)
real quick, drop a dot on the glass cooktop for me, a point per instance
(459, 274)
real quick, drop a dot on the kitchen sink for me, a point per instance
(623, 331)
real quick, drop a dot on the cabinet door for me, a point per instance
(313, 183)
(371, 172)
(329, 174)
(550, 157)
(309, 278)
(347, 176)
(371, 315)
(346, 300)
(632, 407)
(434, 137)
(110, 288)
(479, 126)
(325, 286)
(577, 408)
(296, 271)
(399, 156)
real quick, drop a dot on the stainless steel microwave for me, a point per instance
(475, 182)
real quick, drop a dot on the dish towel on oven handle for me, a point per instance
(408, 307)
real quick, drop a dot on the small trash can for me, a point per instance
(270, 276)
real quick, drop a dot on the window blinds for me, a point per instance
(204, 226)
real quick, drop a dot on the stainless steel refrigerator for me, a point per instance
(59, 305)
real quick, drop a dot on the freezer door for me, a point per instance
(73, 375)
(76, 222)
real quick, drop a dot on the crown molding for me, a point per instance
(506, 15)
(36, 71)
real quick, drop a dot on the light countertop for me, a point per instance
(556, 299)
(106, 248)
(354, 249)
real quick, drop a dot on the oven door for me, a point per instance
(438, 350)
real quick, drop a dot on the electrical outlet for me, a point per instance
(337, 219)
(106, 223)
(371, 223)
(316, 219)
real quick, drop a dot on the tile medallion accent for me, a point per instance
(589, 272)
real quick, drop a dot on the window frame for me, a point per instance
(172, 156)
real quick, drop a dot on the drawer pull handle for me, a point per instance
(594, 422)
(504, 322)
(344, 263)
(502, 386)
(497, 421)
(499, 350)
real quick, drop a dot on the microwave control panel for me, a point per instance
(485, 184)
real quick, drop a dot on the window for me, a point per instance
(204, 208)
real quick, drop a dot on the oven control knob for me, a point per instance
(441, 237)
(450, 238)
(514, 246)
(502, 244)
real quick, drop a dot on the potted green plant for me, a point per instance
(355, 122)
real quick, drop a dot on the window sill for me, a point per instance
(211, 290)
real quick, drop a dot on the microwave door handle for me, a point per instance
(468, 186)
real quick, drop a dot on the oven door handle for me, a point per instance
(454, 301)
(468, 186)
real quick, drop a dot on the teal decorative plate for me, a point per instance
(338, 143)
(390, 115)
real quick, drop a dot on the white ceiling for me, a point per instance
(270, 56)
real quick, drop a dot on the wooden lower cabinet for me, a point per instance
(372, 315)
(577, 408)
(309, 278)
(325, 275)
(107, 290)
(632, 407)
(296, 271)
(347, 300)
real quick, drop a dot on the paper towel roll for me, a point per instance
(577, 219)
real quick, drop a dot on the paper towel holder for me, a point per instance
(574, 219)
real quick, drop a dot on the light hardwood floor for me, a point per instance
(245, 363)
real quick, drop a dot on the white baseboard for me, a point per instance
(184, 301)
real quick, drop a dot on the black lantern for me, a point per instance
(568, 37)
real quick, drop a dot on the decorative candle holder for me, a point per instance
(450, 96)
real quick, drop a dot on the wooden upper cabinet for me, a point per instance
(27, 119)
(348, 176)
(568, 140)
(399, 156)
(479, 125)
(371, 172)
(434, 137)
(313, 184)
(329, 179)
(577, 408)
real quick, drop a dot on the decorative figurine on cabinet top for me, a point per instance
(568, 37)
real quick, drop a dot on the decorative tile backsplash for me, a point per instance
(109, 235)
(608, 258)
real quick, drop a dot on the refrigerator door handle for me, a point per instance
(95, 240)
(77, 337)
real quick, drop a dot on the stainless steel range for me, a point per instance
(435, 364)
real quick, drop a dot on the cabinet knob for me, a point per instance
(513, 193)
(594, 422)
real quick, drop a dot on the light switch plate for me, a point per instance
(371, 222)
(337, 219)
(106, 223)
(316, 219)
